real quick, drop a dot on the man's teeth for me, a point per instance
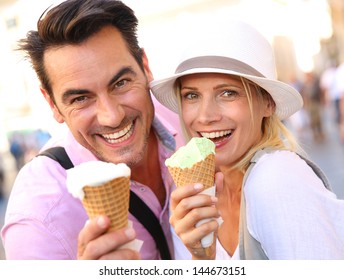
(216, 134)
(119, 136)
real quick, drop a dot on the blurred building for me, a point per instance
(334, 46)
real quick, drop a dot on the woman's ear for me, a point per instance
(270, 106)
(56, 113)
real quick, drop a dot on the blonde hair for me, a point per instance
(274, 133)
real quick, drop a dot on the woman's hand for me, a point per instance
(188, 208)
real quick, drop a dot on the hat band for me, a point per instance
(218, 62)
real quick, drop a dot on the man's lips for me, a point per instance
(119, 136)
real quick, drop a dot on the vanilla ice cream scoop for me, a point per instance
(104, 189)
(93, 174)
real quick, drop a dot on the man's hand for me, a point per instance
(95, 243)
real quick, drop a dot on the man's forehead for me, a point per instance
(104, 49)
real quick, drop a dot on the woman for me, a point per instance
(274, 203)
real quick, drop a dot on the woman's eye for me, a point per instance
(229, 93)
(190, 95)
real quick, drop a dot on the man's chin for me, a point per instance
(125, 155)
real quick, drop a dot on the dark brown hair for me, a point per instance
(74, 21)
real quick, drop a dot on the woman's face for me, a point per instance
(216, 106)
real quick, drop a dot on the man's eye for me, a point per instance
(79, 99)
(121, 83)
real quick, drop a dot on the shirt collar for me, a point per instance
(165, 137)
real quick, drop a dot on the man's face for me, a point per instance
(102, 94)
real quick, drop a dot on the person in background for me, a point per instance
(18, 149)
(340, 101)
(274, 202)
(95, 78)
(314, 102)
(2, 177)
(332, 86)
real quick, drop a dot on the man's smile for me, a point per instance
(119, 136)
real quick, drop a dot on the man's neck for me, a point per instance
(148, 172)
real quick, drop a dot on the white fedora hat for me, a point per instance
(235, 48)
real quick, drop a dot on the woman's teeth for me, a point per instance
(216, 134)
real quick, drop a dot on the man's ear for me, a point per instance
(56, 113)
(146, 68)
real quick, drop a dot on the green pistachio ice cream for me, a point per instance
(195, 163)
(196, 150)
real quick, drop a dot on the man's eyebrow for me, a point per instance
(70, 92)
(120, 73)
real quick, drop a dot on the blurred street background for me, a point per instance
(307, 36)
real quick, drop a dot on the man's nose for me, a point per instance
(110, 112)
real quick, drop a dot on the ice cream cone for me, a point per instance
(201, 172)
(110, 199)
(195, 163)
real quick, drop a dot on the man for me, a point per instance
(95, 78)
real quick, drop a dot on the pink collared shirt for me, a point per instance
(43, 219)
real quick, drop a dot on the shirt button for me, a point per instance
(142, 189)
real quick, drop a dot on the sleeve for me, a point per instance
(290, 212)
(42, 219)
(170, 120)
(180, 251)
(26, 239)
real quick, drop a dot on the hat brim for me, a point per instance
(287, 99)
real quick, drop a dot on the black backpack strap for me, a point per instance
(136, 206)
(145, 215)
(58, 154)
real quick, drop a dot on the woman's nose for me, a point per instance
(208, 111)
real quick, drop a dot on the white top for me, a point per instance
(221, 253)
(290, 212)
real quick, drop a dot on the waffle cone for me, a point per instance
(201, 172)
(110, 199)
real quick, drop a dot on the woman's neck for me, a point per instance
(229, 207)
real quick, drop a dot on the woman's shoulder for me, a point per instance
(281, 170)
(277, 159)
(280, 162)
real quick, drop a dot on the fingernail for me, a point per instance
(87, 222)
(130, 232)
(198, 186)
(101, 222)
